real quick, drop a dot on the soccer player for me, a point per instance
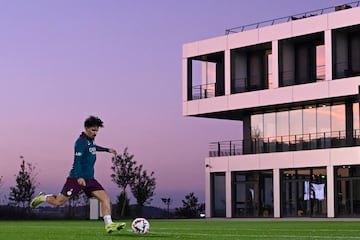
(81, 176)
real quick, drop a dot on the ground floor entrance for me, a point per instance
(303, 192)
(297, 192)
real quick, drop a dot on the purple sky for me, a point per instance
(62, 61)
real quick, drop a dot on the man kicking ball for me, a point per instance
(81, 176)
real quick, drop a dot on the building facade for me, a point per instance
(294, 86)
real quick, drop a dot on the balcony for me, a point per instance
(203, 91)
(301, 142)
(287, 78)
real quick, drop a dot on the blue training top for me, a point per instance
(85, 157)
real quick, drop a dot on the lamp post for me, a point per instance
(167, 202)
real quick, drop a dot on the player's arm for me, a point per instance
(104, 149)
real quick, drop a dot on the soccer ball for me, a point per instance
(140, 226)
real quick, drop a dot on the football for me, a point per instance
(140, 226)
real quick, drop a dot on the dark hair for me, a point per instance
(93, 121)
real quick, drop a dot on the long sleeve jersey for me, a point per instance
(85, 157)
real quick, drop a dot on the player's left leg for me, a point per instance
(56, 201)
(104, 199)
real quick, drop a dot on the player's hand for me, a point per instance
(81, 182)
(113, 151)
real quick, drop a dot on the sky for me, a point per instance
(120, 60)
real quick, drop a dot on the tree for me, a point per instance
(123, 175)
(25, 187)
(191, 207)
(143, 186)
(1, 181)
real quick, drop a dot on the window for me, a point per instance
(320, 62)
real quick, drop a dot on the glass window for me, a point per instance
(356, 116)
(320, 62)
(323, 119)
(269, 125)
(338, 120)
(295, 122)
(304, 194)
(218, 195)
(282, 123)
(257, 126)
(268, 54)
(309, 118)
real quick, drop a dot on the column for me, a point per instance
(328, 55)
(276, 182)
(228, 194)
(330, 191)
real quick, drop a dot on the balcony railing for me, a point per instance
(291, 18)
(240, 85)
(203, 91)
(311, 141)
(288, 77)
(342, 70)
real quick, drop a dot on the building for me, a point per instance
(294, 84)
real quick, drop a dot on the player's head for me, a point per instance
(92, 125)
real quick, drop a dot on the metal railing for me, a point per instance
(343, 70)
(291, 18)
(240, 85)
(203, 91)
(299, 142)
(288, 78)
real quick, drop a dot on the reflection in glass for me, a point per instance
(320, 62)
(268, 60)
(282, 123)
(356, 115)
(347, 201)
(257, 126)
(269, 125)
(303, 192)
(338, 122)
(309, 118)
(323, 119)
(296, 122)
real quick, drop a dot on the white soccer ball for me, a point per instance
(140, 226)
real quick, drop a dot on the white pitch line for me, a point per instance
(273, 229)
(262, 236)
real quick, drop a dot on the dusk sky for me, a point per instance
(61, 61)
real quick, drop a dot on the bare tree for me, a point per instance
(1, 181)
(25, 187)
(123, 175)
(143, 186)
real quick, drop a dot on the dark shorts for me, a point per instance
(72, 188)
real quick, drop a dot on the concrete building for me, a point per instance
(294, 84)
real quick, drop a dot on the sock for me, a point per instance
(107, 219)
(43, 198)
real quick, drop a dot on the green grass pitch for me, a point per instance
(184, 229)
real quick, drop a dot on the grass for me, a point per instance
(185, 229)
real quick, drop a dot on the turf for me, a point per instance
(184, 229)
